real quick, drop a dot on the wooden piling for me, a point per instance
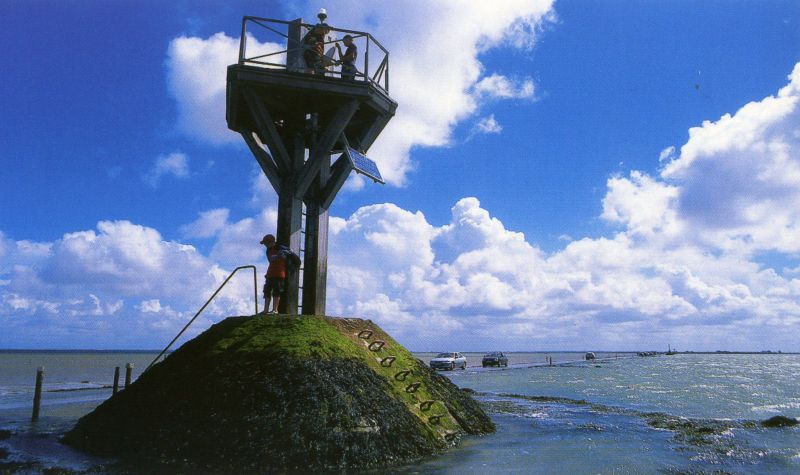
(37, 393)
(128, 373)
(116, 380)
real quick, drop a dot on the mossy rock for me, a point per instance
(267, 393)
(779, 421)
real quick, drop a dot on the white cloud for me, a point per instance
(645, 206)
(435, 90)
(175, 165)
(500, 87)
(676, 269)
(739, 177)
(488, 125)
(208, 224)
(73, 292)
(196, 76)
(667, 154)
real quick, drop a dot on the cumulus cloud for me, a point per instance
(208, 224)
(737, 179)
(472, 278)
(175, 165)
(487, 125)
(667, 154)
(501, 87)
(675, 268)
(679, 268)
(196, 70)
(435, 90)
(236, 242)
(121, 285)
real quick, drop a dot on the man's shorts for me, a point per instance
(274, 287)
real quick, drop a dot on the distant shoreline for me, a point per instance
(77, 351)
(718, 352)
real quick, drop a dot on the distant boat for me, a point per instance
(671, 351)
(590, 356)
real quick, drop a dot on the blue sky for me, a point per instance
(545, 190)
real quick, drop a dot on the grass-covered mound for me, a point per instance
(269, 393)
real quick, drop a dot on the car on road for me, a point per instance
(497, 358)
(449, 361)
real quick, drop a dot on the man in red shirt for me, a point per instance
(276, 274)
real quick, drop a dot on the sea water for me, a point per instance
(685, 413)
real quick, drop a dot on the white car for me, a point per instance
(449, 361)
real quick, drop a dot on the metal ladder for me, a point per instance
(302, 255)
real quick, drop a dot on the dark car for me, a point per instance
(495, 359)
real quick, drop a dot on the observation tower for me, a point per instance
(308, 122)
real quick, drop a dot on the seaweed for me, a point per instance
(261, 394)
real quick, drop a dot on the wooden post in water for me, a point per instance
(37, 393)
(116, 380)
(128, 373)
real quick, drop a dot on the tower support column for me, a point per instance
(315, 259)
(290, 210)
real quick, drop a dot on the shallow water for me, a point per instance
(612, 417)
(620, 414)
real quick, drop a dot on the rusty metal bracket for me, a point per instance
(387, 361)
(412, 388)
(376, 345)
(365, 334)
(402, 375)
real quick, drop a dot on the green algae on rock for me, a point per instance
(283, 393)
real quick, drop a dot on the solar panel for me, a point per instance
(363, 165)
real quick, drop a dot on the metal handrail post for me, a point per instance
(379, 77)
(366, 62)
(255, 289)
(243, 40)
(255, 295)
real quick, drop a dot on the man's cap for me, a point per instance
(267, 236)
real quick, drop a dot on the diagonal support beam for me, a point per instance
(368, 137)
(339, 173)
(262, 157)
(323, 147)
(265, 127)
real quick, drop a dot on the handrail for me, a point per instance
(379, 77)
(255, 299)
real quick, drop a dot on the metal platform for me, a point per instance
(287, 94)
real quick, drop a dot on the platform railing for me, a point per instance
(289, 54)
(255, 301)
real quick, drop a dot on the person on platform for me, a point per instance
(314, 48)
(276, 274)
(348, 58)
